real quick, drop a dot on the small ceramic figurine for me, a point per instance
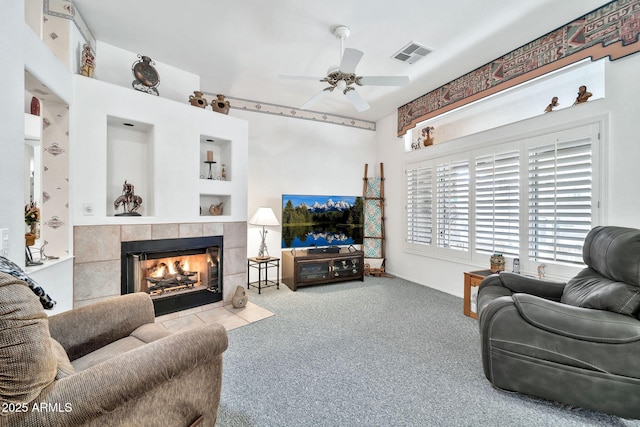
(554, 103)
(427, 135)
(88, 61)
(541, 271)
(583, 95)
(239, 299)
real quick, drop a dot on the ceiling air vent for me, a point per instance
(411, 53)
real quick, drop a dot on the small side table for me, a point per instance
(263, 266)
(472, 280)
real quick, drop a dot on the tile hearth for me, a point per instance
(227, 316)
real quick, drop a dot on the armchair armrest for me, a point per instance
(122, 380)
(88, 328)
(517, 283)
(576, 322)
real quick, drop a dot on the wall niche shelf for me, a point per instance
(163, 155)
(129, 158)
(215, 158)
(209, 200)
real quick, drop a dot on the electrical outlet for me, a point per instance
(88, 209)
(4, 242)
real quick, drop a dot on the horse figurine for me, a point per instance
(129, 199)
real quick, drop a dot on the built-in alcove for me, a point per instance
(216, 200)
(130, 159)
(215, 158)
(215, 176)
(46, 166)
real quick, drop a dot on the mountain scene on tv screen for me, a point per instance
(309, 221)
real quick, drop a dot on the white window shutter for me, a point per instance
(420, 205)
(453, 205)
(497, 203)
(560, 199)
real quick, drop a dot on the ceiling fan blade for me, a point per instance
(357, 100)
(350, 59)
(384, 80)
(316, 98)
(288, 77)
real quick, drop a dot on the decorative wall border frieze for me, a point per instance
(67, 10)
(610, 31)
(296, 113)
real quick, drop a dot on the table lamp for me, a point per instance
(264, 216)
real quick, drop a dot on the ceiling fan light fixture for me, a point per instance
(344, 77)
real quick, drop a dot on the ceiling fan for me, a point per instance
(344, 77)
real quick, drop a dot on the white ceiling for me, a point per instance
(239, 48)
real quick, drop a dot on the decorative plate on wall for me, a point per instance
(147, 77)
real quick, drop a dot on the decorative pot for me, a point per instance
(35, 106)
(216, 209)
(239, 299)
(197, 100)
(220, 105)
(30, 239)
(497, 263)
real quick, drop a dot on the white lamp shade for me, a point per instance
(264, 216)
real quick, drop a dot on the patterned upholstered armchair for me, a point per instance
(576, 343)
(105, 364)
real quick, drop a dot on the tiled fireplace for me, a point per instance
(98, 264)
(178, 274)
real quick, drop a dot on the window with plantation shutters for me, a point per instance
(453, 205)
(560, 198)
(497, 203)
(419, 204)
(532, 197)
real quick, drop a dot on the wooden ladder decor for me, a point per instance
(373, 232)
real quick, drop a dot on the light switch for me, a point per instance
(88, 209)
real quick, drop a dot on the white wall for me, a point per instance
(12, 128)
(621, 201)
(297, 156)
(114, 64)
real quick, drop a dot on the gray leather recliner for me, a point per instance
(576, 343)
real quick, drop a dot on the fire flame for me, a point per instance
(167, 266)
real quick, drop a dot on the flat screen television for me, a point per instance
(311, 220)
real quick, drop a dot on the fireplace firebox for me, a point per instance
(177, 273)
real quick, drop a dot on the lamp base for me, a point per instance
(263, 257)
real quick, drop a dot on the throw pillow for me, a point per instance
(14, 270)
(27, 362)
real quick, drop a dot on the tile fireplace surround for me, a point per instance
(96, 264)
